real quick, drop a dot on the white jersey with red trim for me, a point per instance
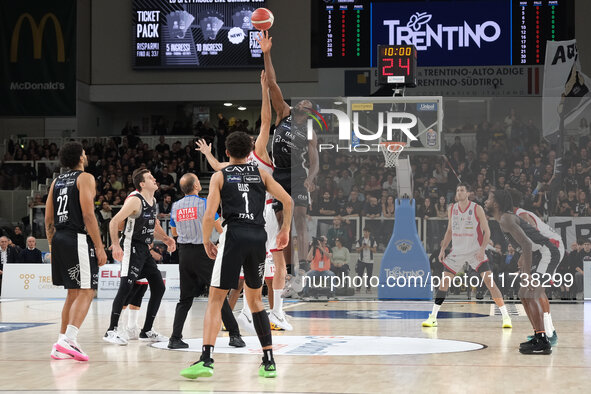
(542, 227)
(253, 158)
(466, 232)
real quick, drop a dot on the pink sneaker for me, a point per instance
(72, 348)
(57, 355)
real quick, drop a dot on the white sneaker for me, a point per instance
(67, 346)
(114, 337)
(246, 323)
(132, 333)
(280, 320)
(57, 355)
(153, 336)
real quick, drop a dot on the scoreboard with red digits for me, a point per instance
(347, 33)
(397, 64)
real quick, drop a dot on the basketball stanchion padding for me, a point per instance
(405, 259)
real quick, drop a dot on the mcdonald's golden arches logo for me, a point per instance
(37, 33)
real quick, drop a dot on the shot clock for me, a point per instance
(397, 65)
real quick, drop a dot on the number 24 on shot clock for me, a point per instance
(397, 65)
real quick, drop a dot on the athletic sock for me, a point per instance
(504, 312)
(268, 355)
(277, 301)
(132, 317)
(60, 336)
(114, 321)
(72, 332)
(548, 325)
(435, 310)
(206, 351)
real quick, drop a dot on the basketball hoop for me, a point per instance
(391, 151)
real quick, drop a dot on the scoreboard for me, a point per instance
(346, 33)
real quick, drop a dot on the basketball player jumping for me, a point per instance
(469, 233)
(136, 261)
(550, 256)
(240, 188)
(260, 157)
(295, 158)
(75, 243)
(499, 205)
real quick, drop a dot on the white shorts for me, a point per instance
(271, 227)
(454, 262)
(269, 267)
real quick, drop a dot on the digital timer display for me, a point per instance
(397, 65)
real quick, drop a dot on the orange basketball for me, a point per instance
(262, 19)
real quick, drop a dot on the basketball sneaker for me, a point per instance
(276, 328)
(507, 322)
(539, 344)
(268, 369)
(200, 369)
(67, 346)
(553, 339)
(280, 320)
(57, 355)
(430, 322)
(246, 323)
(114, 337)
(152, 336)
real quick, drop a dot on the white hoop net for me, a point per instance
(392, 151)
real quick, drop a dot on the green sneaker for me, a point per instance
(553, 340)
(268, 370)
(200, 369)
(430, 322)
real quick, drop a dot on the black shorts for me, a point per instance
(241, 245)
(73, 261)
(137, 293)
(136, 258)
(195, 269)
(294, 186)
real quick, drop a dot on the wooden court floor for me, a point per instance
(25, 364)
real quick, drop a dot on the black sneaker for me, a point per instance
(236, 341)
(177, 343)
(539, 344)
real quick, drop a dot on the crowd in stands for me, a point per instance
(509, 154)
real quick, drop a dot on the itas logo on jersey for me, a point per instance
(234, 178)
(252, 179)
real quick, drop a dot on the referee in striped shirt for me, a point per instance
(195, 267)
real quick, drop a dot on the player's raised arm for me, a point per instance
(213, 203)
(130, 207)
(279, 105)
(205, 148)
(260, 145)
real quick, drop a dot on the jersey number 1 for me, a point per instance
(245, 195)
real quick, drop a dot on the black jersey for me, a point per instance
(67, 212)
(243, 195)
(531, 232)
(141, 228)
(290, 147)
